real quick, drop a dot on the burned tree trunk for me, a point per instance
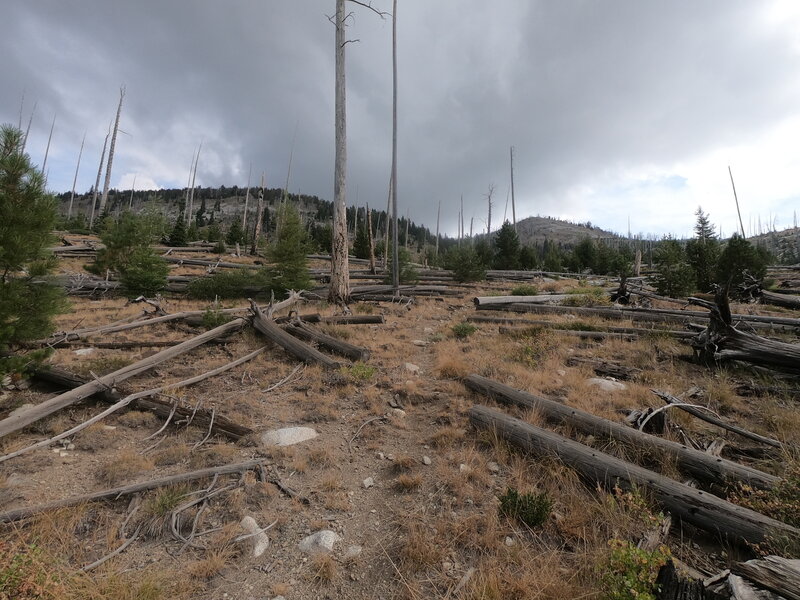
(309, 334)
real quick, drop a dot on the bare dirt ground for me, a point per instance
(427, 527)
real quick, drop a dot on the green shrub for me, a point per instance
(236, 283)
(463, 330)
(738, 258)
(408, 274)
(214, 317)
(235, 234)
(288, 252)
(123, 237)
(675, 277)
(587, 296)
(630, 573)
(781, 502)
(529, 509)
(177, 236)
(536, 344)
(219, 248)
(466, 264)
(145, 274)
(359, 371)
(525, 289)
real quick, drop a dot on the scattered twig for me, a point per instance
(241, 538)
(164, 426)
(675, 405)
(352, 439)
(301, 367)
(210, 428)
(121, 548)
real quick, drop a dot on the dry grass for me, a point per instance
(213, 456)
(321, 457)
(123, 468)
(155, 512)
(95, 437)
(137, 418)
(324, 569)
(407, 483)
(447, 437)
(171, 455)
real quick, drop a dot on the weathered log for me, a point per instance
(126, 490)
(533, 322)
(16, 422)
(777, 574)
(291, 344)
(540, 299)
(699, 464)
(721, 342)
(644, 314)
(308, 334)
(307, 318)
(587, 335)
(200, 417)
(216, 264)
(783, 300)
(122, 403)
(354, 319)
(672, 586)
(703, 510)
(708, 418)
(605, 368)
(118, 345)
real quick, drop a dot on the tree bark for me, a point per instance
(780, 575)
(75, 179)
(259, 220)
(371, 241)
(395, 247)
(104, 198)
(339, 291)
(699, 464)
(97, 182)
(309, 334)
(730, 522)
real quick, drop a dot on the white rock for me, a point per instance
(259, 541)
(322, 541)
(561, 372)
(368, 482)
(83, 351)
(422, 343)
(509, 541)
(426, 460)
(606, 384)
(464, 468)
(411, 368)
(20, 409)
(493, 467)
(288, 436)
(399, 413)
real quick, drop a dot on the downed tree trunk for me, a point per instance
(126, 490)
(708, 418)
(721, 342)
(701, 465)
(48, 407)
(602, 367)
(540, 299)
(682, 501)
(200, 417)
(122, 403)
(534, 322)
(783, 300)
(777, 574)
(308, 334)
(292, 345)
(587, 335)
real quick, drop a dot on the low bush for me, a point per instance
(525, 289)
(463, 330)
(529, 509)
(145, 273)
(466, 264)
(238, 283)
(630, 573)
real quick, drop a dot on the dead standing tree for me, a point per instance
(99, 174)
(104, 197)
(339, 291)
(75, 179)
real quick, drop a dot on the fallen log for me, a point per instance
(702, 466)
(784, 300)
(126, 490)
(308, 334)
(534, 322)
(647, 314)
(16, 422)
(540, 299)
(354, 319)
(689, 505)
(587, 335)
(722, 342)
(200, 417)
(291, 344)
(605, 368)
(131, 398)
(777, 574)
(708, 418)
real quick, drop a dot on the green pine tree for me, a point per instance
(361, 243)
(739, 258)
(288, 253)
(177, 236)
(506, 248)
(675, 278)
(235, 234)
(28, 302)
(703, 251)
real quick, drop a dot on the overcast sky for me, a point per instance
(620, 109)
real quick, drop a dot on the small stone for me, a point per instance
(426, 460)
(368, 482)
(390, 457)
(493, 467)
(446, 565)
(606, 385)
(352, 552)
(288, 436)
(561, 372)
(83, 351)
(411, 368)
(464, 468)
(428, 330)
(259, 541)
(399, 413)
(381, 455)
(509, 541)
(421, 343)
(321, 541)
